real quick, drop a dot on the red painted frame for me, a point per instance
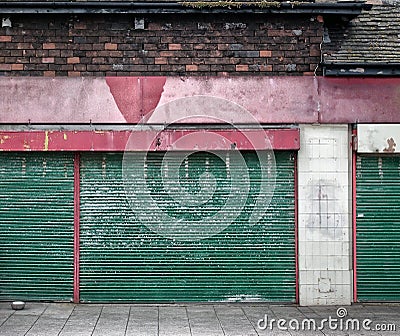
(149, 140)
(79, 141)
(76, 225)
(354, 211)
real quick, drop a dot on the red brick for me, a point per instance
(48, 60)
(160, 60)
(49, 73)
(74, 73)
(169, 51)
(166, 53)
(17, 67)
(49, 45)
(73, 60)
(79, 25)
(5, 38)
(111, 46)
(314, 50)
(175, 46)
(242, 67)
(223, 74)
(277, 33)
(265, 53)
(192, 67)
(154, 26)
(5, 67)
(266, 68)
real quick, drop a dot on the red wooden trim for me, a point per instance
(296, 224)
(279, 139)
(354, 212)
(76, 225)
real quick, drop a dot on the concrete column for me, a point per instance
(324, 176)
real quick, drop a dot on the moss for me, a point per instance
(231, 4)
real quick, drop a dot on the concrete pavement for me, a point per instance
(241, 319)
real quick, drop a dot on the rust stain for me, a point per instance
(46, 141)
(391, 146)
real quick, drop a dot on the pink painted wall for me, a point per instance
(271, 100)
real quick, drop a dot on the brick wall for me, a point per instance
(109, 45)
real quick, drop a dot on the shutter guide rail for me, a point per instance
(76, 225)
(296, 223)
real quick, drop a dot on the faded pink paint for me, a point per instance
(364, 100)
(279, 139)
(57, 100)
(270, 100)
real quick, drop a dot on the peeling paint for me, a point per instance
(377, 138)
(391, 146)
(280, 139)
(122, 100)
(3, 138)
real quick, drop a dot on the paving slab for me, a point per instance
(233, 321)
(66, 319)
(82, 321)
(264, 313)
(17, 325)
(52, 320)
(5, 312)
(113, 321)
(143, 321)
(173, 321)
(204, 321)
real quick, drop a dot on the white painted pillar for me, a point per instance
(324, 205)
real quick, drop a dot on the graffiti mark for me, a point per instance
(391, 146)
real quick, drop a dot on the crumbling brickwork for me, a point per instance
(208, 45)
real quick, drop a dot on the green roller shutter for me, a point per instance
(378, 228)
(36, 226)
(122, 259)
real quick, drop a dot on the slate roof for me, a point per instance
(214, 1)
(371, 38)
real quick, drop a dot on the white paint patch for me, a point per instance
(378, 138)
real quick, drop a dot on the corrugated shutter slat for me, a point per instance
(378, 228)
(36, 226)
(121, 259)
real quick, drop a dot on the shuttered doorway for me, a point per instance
(36, 226)
(378, 228)
(122, 259)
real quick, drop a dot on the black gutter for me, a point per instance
(126, 7)
(361, 69)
